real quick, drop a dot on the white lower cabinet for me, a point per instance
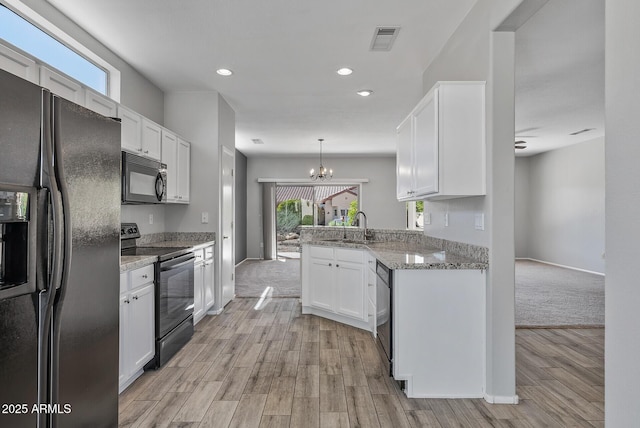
(203, 283)
(438, 333)
(137, 323)
(334, 284)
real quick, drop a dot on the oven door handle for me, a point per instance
(176, 263)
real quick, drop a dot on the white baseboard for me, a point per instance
(215, 311)
(248, 258)
(501, 399)
(562, 266)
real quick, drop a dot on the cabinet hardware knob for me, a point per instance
(127, 301)
(140, 149)
(144, 276)
(329, 264)
(146, 151)
(337, 265)
(135, 297)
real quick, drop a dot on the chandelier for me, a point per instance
(323, 173)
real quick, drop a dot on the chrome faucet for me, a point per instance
(366, 232)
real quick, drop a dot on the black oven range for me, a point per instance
(174, 302)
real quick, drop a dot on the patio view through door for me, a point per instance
(298, 206)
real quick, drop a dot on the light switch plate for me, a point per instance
(479, 221)
(150, 218)
(446, 219)
(205, 217)
(427, 218)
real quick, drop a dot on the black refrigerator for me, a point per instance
(59, 260)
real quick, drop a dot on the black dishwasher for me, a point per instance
(384, 316)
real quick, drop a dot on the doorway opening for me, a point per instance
(299, 206)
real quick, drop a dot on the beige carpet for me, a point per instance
(274, 278)
(548, 295)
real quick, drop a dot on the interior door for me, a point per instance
(227, 274)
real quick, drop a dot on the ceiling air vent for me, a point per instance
(257, 141)
(383, 38)
(582, 131)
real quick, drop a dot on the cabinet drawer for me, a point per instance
(321, 252)
(208, 253)
(199, 255)
(344, 255)
(141, 276)
(124, 282)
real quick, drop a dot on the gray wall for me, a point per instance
(522, 198)
(475, 52)
(137, 92)
(378, 199)
(241, 207)
(622, 151)
(564, 220)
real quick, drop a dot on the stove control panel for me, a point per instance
(129, 231)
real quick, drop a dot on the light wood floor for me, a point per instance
(273, 367)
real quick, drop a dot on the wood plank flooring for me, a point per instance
(271, 366)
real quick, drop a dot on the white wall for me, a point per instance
(475, 52)
(564, 223)
(622, 151)
(140, 214)
(378, 197)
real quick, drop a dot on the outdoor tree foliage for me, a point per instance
(289, 215)
(353, 209)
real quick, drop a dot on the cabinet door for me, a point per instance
(18, 64)
(184, 170)
(425, 149)
(208, 284)
(141, 326)
(61, 85)
(151, 139)
(404, 171)
(350, 287)
(321, 284)
(169, 152)
(131, 130)
(125, 370)
(198, 297)
(100, 104)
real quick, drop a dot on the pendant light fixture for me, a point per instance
(323, 173)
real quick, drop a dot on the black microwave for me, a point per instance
(144, 181)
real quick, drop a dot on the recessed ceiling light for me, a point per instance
(224, 72)
(344, 71)
(365, 92)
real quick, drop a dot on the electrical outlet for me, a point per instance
(205, 217)
(479, 221)
(150, 218)
(446, 219)
(427, 218)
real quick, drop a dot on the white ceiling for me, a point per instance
(284, 54)
(560, 75)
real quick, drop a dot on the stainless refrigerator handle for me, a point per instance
(49, 283)
(66, 254)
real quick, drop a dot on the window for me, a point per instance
(415, 215)
(40, 45)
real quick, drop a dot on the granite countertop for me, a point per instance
(402, 255)
(195, 245)
(135, 262)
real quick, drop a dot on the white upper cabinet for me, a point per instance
(131, 126)
(151, 139)
(62, 85)
(176, 154)
(184, 170)
(100, 104)
(18, 64)
(441, 144)
(139, 134)
(169, 158)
